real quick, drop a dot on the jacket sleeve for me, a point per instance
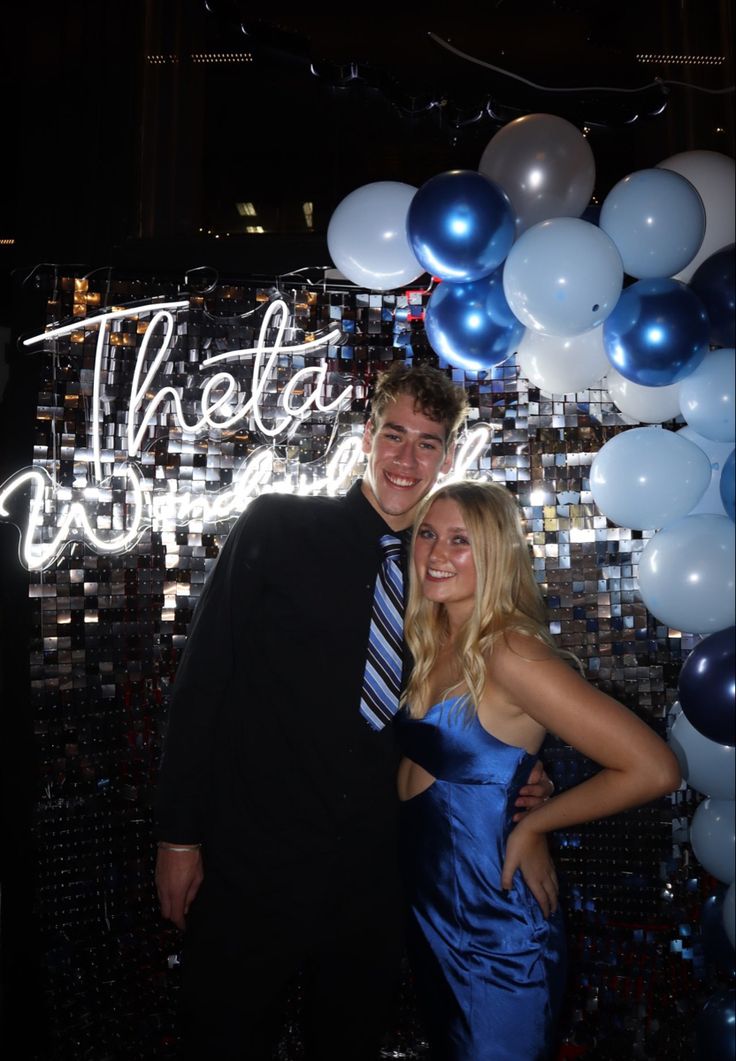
(232, 588)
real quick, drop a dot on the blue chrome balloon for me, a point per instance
(727, 485)
(715, 283)
(707, 687)
(657, 333)
(471, 326)
(460, 226)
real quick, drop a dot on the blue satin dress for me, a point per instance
(489, 967)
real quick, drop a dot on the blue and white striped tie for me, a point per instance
(379, 700)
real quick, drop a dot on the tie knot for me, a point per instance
(390, 547)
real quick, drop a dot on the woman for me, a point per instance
(487, 685)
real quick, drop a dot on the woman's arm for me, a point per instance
(637, 766)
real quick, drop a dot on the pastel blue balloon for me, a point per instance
(646, 477)
(713, 837)
(656, 218)
(657, 334)
(714, 281)
(708, 767)
(563, 276)
(460, 225)
(471, 326)
(708, 396)
(717, 453)
(727, 485)
(686, 574)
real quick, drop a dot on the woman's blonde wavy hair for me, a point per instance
(507, 597)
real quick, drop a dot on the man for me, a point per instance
(277, 806)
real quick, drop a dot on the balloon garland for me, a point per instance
(524, 264)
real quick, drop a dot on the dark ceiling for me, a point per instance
(137, 126)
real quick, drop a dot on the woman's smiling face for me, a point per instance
(443, 559)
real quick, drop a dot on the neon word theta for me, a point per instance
(116, 502)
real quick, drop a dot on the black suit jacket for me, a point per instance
(267, 760)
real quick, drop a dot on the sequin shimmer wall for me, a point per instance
(154, 459)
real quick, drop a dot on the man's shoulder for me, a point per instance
(291, 510)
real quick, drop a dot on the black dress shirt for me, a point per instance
(267, 759)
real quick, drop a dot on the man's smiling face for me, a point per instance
(406, 453)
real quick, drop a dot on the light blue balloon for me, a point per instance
(713, 837)
(708, 767)
(656, 218)
(686, 574)
(717, 453)
(708, 396)
(563, 276)
(727, 485)
(657, 333)
(471, 326)
(646, 477)
(460, 225)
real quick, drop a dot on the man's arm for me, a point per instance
(203, 678)
(536, 791)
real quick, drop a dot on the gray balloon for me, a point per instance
(545, 166)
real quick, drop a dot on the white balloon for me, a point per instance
(649, 405)
(714, 177)
(562, 365)
(713, 837)
(367, 239)
(729, 913)
(717, 453)
(707, 767)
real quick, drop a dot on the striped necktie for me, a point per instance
(379, 700)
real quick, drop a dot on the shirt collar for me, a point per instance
(372, 526)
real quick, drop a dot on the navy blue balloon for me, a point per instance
(714, 282)
(657, 333)
(715, 1027)
(460, 226)
(727, 484)
(717, 949)
(707, 687)
(471, 326)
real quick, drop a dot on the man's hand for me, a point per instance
(179, 874)
(535, 792)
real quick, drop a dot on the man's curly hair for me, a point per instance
(434, 394)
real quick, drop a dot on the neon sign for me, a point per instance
(134, 501)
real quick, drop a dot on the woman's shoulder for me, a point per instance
(515, 644)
